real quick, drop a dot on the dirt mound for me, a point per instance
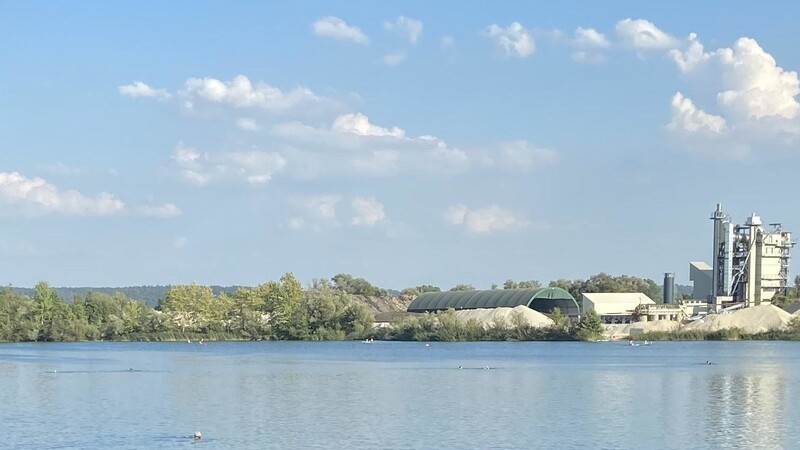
(756, 319)
(489, 318)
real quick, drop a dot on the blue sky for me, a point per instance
(422, 142)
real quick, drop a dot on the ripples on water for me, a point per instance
(400, 395)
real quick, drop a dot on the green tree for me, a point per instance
(462, 287)
(590, 328)
(428, 288)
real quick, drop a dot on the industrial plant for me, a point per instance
(750, 267)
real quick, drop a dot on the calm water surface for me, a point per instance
(400, 395)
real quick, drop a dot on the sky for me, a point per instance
(404, 142)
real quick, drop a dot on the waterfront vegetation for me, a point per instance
(284, 310)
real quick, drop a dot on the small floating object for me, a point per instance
(460, 367)
(197, 436)
(486, 367)
(427, 345)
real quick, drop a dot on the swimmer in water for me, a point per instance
(197, 436)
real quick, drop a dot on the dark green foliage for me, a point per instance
(590, 327)
(608, 283)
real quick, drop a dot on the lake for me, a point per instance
(394, 395)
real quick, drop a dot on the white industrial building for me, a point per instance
(614, 307)
(750, 263)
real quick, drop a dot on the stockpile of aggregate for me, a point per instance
(489, 318)
(618, 331)
(756, 319)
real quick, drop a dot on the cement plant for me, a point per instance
(749, 269)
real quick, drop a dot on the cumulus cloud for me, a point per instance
(336, 28)
(756, 99)
(394, 59)
(686, 117)
(38, 195)
(239, 92)
(242, 93)
(514, 40)
(407, 27)
(140, 89)
(644, 35)
(247, 124)
(359, 124)
(201, 168)
(691, 56)
(589, 44)
(368, 211)
(589, 38)
(757, 86)
(486, 220)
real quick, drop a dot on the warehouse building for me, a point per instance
(615, 307)
(543, 300)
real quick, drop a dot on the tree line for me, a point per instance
(276, 310)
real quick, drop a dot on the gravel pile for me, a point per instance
(756, 319)
(632, 329)
(488, 318)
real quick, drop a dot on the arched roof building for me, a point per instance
(542, 300)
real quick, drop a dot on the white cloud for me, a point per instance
(368, 211)
(694, 55)
(407, 27)
(756, 100)
(515, 40)
(642, 34)
(359, 124)
(41, 196)
(353, 145)
(394, 59)
(589, 38)
(242, 93)
(686, 117)
(336, 28)
(247, 124)
(486, 220)
(163, 211)
(757, 86)
(139, 89)
(252, 167)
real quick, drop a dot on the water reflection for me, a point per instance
(747, 409)
(262, 395)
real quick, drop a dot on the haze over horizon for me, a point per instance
(417, 143)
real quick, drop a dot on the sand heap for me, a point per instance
(636, 328)
(756, 319)
(488, 318)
